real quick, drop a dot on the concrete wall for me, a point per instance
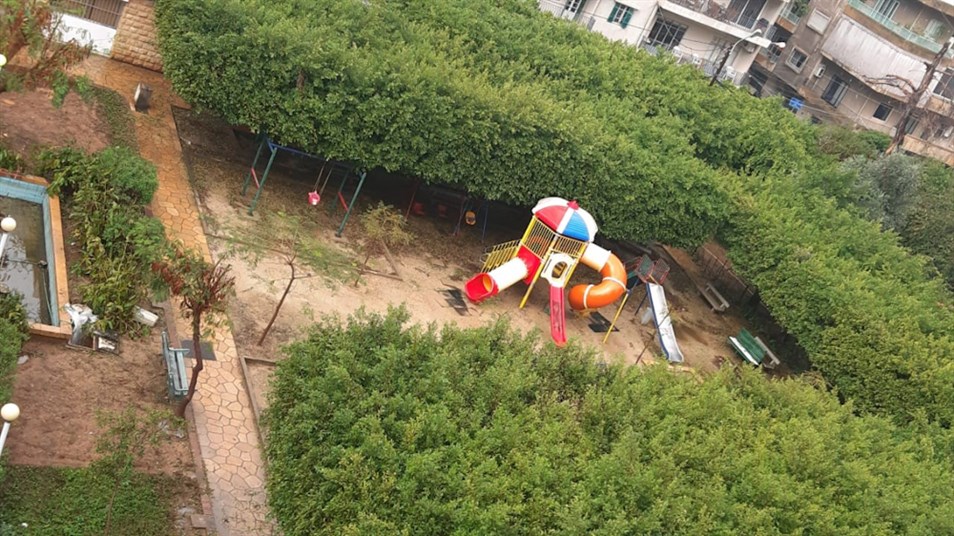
(135, 40)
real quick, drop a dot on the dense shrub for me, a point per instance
(133, 177)
(13, 333)
(377, 428)
(343, 80)
(108, 192)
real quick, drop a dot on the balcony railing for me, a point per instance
(553, 6)
(894, 27)
(790, 15)
(720, 12)
(706, 66)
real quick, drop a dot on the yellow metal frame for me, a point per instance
(499, 254)
(543, 242)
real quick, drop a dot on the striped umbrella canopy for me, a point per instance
(566, 218)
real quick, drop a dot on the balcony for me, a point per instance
(723, 13)
(790, 15)
(928, 149)
(895, 28)
(868, 56)
(706, 66)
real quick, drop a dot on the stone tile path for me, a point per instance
(224, 421)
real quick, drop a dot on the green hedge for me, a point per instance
(13, 333)
(379, 428)
(514, 104)
(344, 80)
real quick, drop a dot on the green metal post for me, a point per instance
(354, 199)
(261, 182)
(248, 176)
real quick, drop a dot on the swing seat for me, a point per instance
(313, 198)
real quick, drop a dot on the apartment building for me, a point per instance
(699, 32)
(856, 62)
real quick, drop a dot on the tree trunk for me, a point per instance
(261, 340)
(197, 368)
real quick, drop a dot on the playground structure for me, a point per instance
(345, 171)
(559, 237)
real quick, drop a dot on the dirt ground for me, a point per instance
(29, 119)
(61, 390)
(218, 160)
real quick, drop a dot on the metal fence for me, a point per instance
(105, 12)
(719, 272)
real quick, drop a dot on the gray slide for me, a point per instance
(667, 337)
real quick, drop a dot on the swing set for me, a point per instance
(345, 171)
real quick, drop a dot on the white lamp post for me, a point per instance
(9, 412)
(7, 225)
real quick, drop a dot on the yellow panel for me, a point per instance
(499, 254)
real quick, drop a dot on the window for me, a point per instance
(835, 91)
(945, 86)
(883, 112)
(797, 59)
(620, 15)
(933, 29)
(818, 21)
(572, 6)
(105, 12)
(886, 8)
(911, 124)
(666, 34)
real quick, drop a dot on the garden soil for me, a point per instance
(29, 120)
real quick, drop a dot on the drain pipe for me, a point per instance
(8, 225)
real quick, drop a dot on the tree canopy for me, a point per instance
(376, 427)
(514, 104)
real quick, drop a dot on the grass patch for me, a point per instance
(114, 109)
(56, 501)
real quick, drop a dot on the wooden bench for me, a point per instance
(715, 299)
(747, 347)
(175, 368)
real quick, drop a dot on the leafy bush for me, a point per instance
(13, 333)
(108, 192)
(131, 176)
(10, 160)
(63, 167)
(397, 430)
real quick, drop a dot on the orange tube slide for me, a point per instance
(607, 291)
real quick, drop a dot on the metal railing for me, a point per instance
(706, 66)
(552, 6)
(789, 14)
(105, 12)
(895, 28)
(719, 12)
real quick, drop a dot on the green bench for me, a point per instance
(176, 375)
(744, 344)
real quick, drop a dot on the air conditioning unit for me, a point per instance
(948, 131)
(729, 73)
(819, 71)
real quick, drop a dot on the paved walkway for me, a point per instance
(228, 437)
